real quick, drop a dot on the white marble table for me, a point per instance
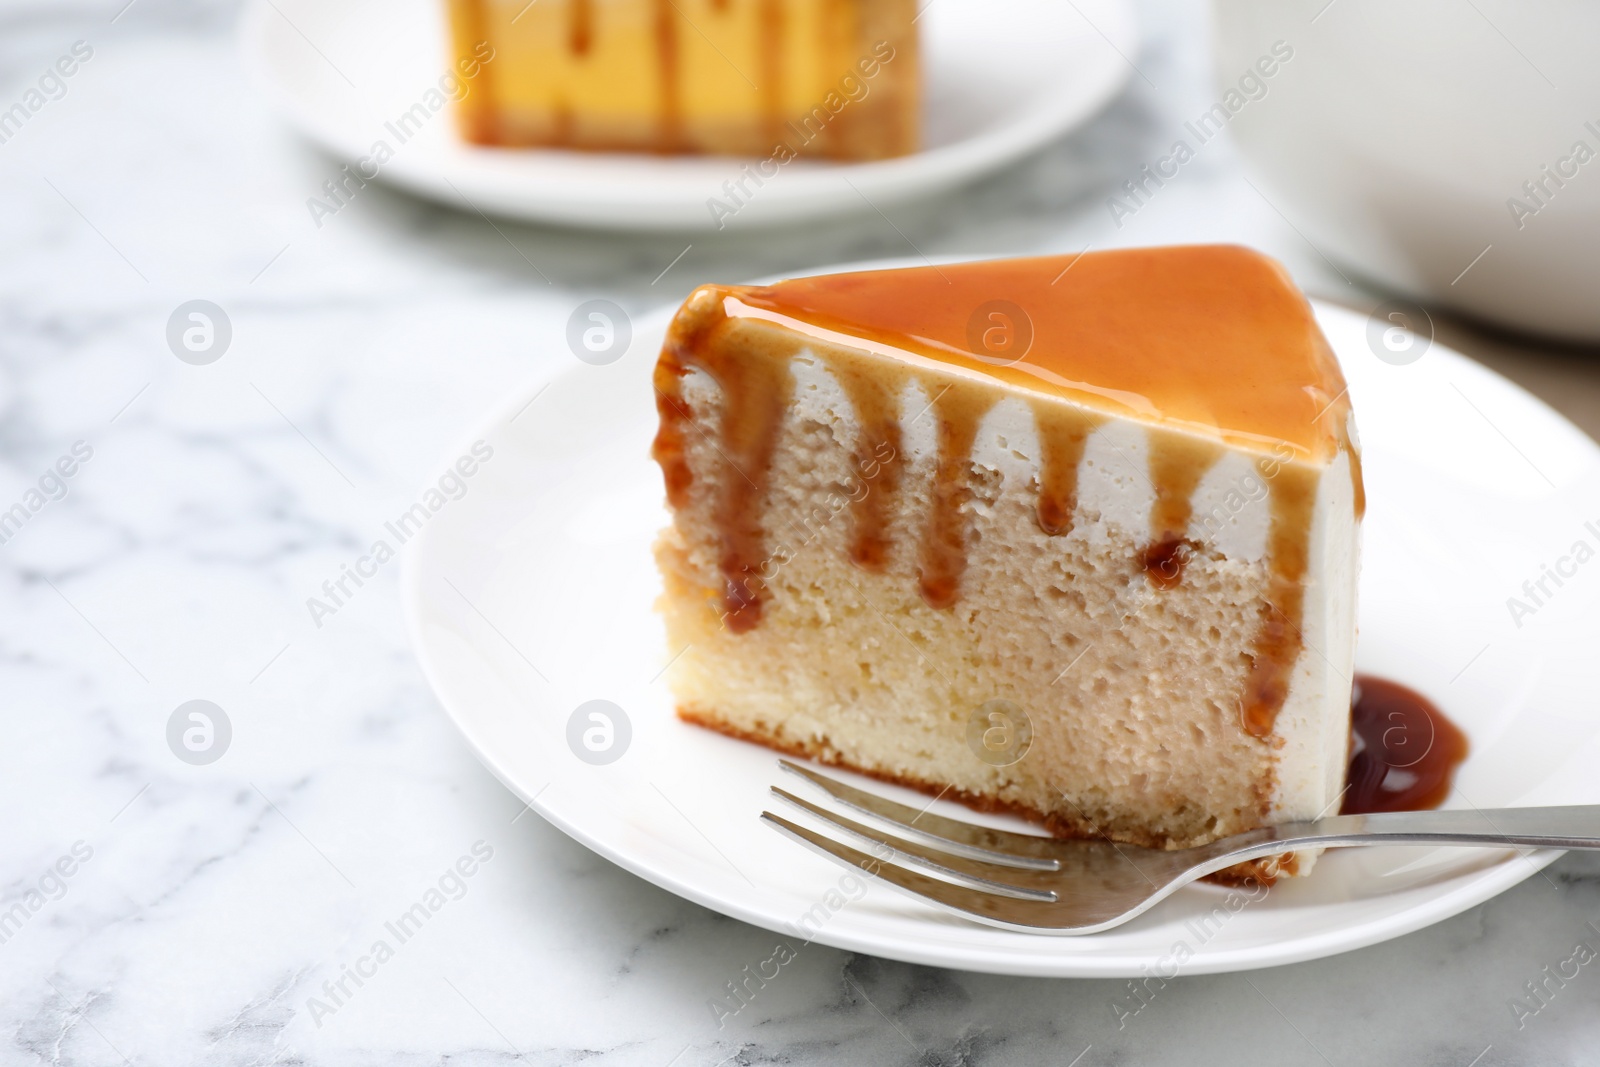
(206, 906)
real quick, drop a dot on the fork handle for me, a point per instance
(1576, 827)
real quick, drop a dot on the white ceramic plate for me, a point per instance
(1003, 77)
(532, 594)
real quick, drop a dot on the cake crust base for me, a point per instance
(1265, 871)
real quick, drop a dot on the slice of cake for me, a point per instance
(1074, 537)
(770, 78)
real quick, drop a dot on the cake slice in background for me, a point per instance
(773, 79)
(1074, 537)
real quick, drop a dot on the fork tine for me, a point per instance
(981, 875)
(975, 904)
(965, 839)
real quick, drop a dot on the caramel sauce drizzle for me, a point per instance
(481, 114)
(878, 460)
(1063, 433)
(1356, 480)
(1404, 751)
(1278, 642)
(959, 408)
(669, 136)
(755, 393)
(1339, 409)
(770, 26)
(840, 37)
(580, 27)
(1177, 463)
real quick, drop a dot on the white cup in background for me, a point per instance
(1400, 135)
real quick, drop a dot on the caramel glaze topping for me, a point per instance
(1212, 340)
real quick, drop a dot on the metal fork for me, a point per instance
(1050, 886)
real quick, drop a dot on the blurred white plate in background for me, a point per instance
(533, 594)
(1003, 78)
